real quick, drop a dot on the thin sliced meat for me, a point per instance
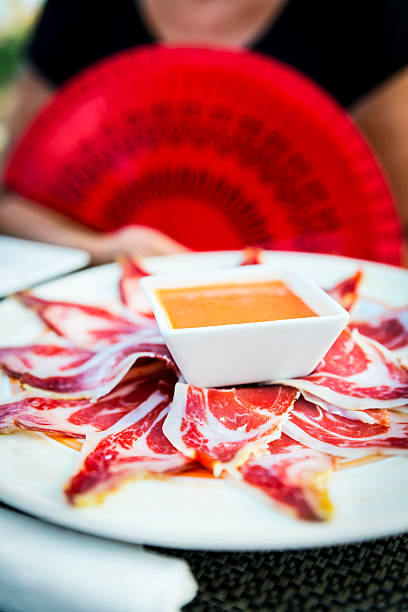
(346, 292)
(330, 433)
(220, 428)
(389, 329)
(252, 256)
(78, 418)
(75, 372)
(355, 374)
(403, 409)
(368, 308)
(294, 477)
(377, 415)
(135, 447)
(131, 294)
(88, 327)
(14, 392)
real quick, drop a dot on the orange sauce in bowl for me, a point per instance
(226, 304)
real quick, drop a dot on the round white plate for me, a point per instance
(186, 512)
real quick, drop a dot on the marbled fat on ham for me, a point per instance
(346, 292)
(389, 329)
(356, 373)
(88, 327)
(134, 447)
(372, 416)
(130, 291)
(78, 418)
(368, 308)
(75, 372)
(220, 428)
(293, 476)
(334, 434)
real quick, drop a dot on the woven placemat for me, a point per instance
(362, 577)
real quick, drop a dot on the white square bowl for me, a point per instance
(224, 355)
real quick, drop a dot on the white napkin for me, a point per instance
(44, 568)
(25, 262)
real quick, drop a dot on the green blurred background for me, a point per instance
(16, 18)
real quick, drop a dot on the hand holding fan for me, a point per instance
(218, 149)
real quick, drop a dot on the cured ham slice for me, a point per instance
(135, 447)
(346, 292)
(294, 477)
(85, 326)
(330, 433)
(220, 428)
(75, 372)
(369, 308)
(378, 415)
(389, 329)
(131, 294)
(403, 409)
(77, 418)
(356, 373)
(252, 256)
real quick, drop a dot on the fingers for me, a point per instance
(154, 242)
(164, 245)
(140, 241)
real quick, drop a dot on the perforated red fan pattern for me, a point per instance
(218, 149)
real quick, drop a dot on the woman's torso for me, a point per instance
(347, 46)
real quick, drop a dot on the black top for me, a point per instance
(348, 46)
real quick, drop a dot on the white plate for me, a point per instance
(371, 500)
(24, 263)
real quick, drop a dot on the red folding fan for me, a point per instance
(218, 149)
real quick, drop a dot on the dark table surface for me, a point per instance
(362, 577)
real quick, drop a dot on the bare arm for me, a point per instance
(30, 93)
(22, 218)
(383, 117)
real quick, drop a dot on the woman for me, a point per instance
(356, 49)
